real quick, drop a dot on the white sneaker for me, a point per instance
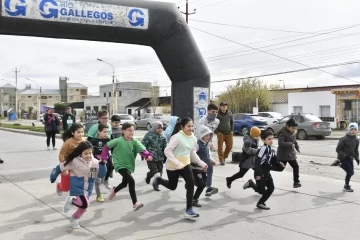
(48, 148)
(54, 148)
(67, 204)
(74, 223)
(107, 185)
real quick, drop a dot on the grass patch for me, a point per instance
(20, 127)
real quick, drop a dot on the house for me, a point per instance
(72, 92)
(330, 103)
(7, 98)
(144, 105)
(126, 93)
(30, 98)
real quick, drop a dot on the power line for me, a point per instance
(274, 55)
(211, 4)
(292, 71)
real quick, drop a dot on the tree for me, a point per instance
(154, 98)
(242, 96)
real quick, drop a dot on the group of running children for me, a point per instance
(88, 163)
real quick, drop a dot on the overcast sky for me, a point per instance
(44, 60)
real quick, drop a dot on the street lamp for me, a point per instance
(114, 98)
(38, 95)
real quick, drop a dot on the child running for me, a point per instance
(72, 138)
(125, 150)
(155, 142)
(180, 151)
(265, 158)
(99, 142)
(247, 161)
(348, 150)
(83, 169)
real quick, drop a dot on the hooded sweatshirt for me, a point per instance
(170, 128)
(155, 143)
(249, 148)
(348, 146)
(203, 148)
(287, 145)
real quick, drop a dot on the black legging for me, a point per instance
(239, 174)
(294, 165)
(110, 169)
(172, 183)
(52, 136)
(265, 187)
(200, 183)
(127, 179)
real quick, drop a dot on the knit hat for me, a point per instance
(155, 125)
(353, 125)
(291, 123)
(255, 132)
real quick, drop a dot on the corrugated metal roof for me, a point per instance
(76, 85)
(43, 92)
(8, 85)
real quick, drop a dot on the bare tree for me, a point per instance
(154, 99)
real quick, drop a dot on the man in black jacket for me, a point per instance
(68, 119)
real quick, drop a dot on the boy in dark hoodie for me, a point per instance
(249, 151)
(286, 150)
(348, 150)
(265, 160)
(155, 142)
(115, 127)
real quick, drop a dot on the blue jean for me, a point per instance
(348, 165)
(210, 171)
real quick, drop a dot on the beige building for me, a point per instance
(76, 92)
(29, 98)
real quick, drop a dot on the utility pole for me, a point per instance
(187, 12)
(16, 93)
(114, 98)
(2, 102)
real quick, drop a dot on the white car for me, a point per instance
(126, 118)
(271, 117)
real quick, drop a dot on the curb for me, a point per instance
(41, 134)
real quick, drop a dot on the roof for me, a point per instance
(281, 95)
(8, 85)
(145, 102)
(43, 92)
(76, 85)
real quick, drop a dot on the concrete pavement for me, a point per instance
(30, 209)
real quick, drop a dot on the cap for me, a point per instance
(223, 104)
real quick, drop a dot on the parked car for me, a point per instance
(126, 118)
(243, 122)
(148, 119)
(309, 125)
(271, 117)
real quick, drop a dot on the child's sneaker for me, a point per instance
(100, 199)
(196, 203)
(347, 188)
(74, 223)
(191, 213)
(48, 148)
(67, 204)
(210, 191)
(107, 185)
(228, 182)
(262, 206)
(248, 184)
(58, 191)
(137, 206)
(54, 148)
(297, 185)
(112, 194)
(1, 161)
(155, 184)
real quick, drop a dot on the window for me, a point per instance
(129, 111)
(104, 94)
(298, 109)
(50, 96)
(325, 111)
(147, 116)
(88, 108)
(119, 93)
(29, 96)
(104, 107)
(96, 108)
(83, 92)
(109, 94)
(77, 90)
(43, 97)
(284, 120)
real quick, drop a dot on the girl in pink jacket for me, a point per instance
(83, 169)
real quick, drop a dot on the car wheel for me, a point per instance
(136, 127)
(320, 137)
(244, 131)
(302, 135)
(149, 126)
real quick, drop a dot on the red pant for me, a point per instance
(64, 185)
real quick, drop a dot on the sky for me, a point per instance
(303, 33)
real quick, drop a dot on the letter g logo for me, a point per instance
(46, 10)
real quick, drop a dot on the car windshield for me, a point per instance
(277, 116)
(126, 117)
(312, 118)
(158, 116)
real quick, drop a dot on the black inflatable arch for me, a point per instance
(167, 33)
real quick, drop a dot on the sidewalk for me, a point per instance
(31, 210)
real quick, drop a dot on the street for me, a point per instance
(31, 209)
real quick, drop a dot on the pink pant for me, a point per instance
(82, 202)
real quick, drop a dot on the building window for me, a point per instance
(29, 96)
(109, 94)
(96, 108)
(119, 93)
(43, 97)
(325, 111)
(77, 90)
(104, 107)
(50, 96)
(298, 109)
(88, 108)
(83, 92)
(104, 94)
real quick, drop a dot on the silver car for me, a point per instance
(308, 125)
(148, 119)
(126, 118)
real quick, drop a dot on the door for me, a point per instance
(129, 111)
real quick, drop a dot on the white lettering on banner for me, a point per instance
(68, 11)
(201, 100)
